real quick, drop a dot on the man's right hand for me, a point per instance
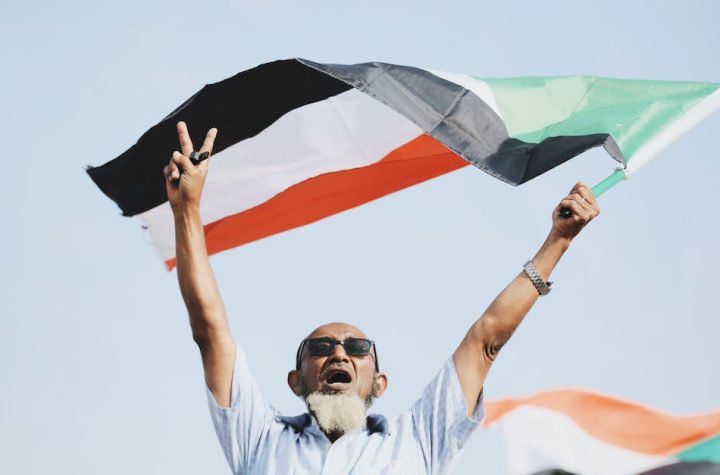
(210, 328)
(183, 180)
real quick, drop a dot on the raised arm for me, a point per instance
(493, 329)
(184, 182)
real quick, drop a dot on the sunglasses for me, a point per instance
(326, 346)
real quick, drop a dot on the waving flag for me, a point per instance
(299, 141)
(580, 432)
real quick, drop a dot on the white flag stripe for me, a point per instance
(347, 131)
(653, 147)
(478, 87)
(539, 439)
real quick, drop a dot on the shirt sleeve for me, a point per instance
(440, 419)
(240, 427)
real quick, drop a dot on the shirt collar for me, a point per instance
(376, 423)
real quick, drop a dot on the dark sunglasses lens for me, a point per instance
(321, 347)
(357, 347)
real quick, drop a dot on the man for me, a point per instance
(337, 371)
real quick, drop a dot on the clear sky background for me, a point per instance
(98, 372)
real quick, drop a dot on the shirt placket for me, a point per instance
(335, 458)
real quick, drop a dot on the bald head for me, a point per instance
(337, 329)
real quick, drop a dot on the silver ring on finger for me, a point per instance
(581, 201)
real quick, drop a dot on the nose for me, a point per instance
(339, 355)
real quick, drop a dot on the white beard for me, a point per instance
(337, 413)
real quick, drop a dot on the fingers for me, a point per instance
(585, 197)
(585, 192)
(575, 210)
(207, 145)
(579, 207)
(578, 212)
(178, 163)
(171, 171)
(186, 145)
(181, 162)
(580, 199)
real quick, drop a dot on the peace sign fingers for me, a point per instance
(207, 145)
(184, 174)
(186, 146)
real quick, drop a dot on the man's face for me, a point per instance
(337, 373)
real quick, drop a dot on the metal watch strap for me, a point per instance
(542, 287)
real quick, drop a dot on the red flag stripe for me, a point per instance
(618, 422)
(419, 160)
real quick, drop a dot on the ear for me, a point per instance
(293, 380)
(380, 384)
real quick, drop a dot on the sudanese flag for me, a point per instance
(299, 141)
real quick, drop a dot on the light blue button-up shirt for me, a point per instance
(257, 439)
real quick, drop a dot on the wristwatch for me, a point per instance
(542, 287)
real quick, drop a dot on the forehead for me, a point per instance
(338, 331)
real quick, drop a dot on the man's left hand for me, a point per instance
(583, 208)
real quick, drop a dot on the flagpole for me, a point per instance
(618, 175)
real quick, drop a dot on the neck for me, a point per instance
(332, 435)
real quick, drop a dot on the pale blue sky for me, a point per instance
(98, 370)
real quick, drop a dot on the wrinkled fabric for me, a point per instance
(427, 438)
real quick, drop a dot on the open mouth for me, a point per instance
(338, 376)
